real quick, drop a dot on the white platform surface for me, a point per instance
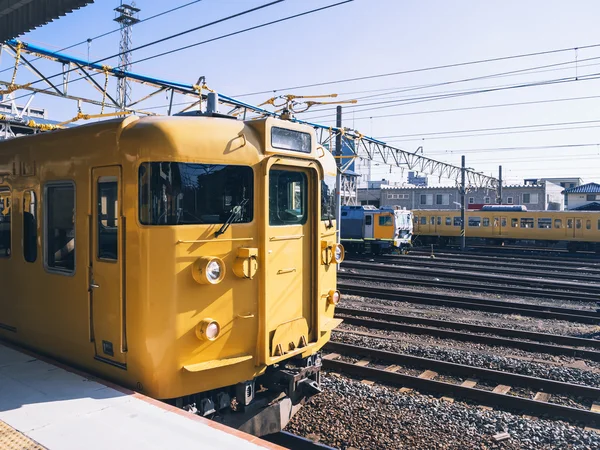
(62, 410)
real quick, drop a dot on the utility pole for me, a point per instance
(338, 176)
(126, 17)
(463, 207)
(499, 201)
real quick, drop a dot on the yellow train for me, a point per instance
(190, 258)
(577, 230)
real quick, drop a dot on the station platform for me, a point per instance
(47, 406)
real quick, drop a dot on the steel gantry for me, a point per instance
(38, 70)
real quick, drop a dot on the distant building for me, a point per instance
(535, 196)
(566, 183)
(583, 197)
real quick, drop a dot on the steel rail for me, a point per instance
(518, 252)
(521, 281)
(497, 306)
(489, 288)
(476, 263)
(555, 273)
(464, 370)
(499, 331)
(479, 395)
(529, 346)
(295, 442)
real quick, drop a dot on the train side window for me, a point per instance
(368, 220)
(514, 223)
(386, 221)
(544, 223)
(432, 220)
(439, 221)
(474, 221)
(29, 226)
(457, 221)
(448, 221)
(578, 224)
(503, 222)
(486, 221)
(527, 222)
(417, 220)
(588, 224)
(599, 224)
(108, 218)
(59, 214)
(558, 223)
(569, 223)
(5, 208)
(423, 220)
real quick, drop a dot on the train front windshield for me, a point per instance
(173, 193)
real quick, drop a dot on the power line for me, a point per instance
(213, 39)
(424, 69)
(89, 40)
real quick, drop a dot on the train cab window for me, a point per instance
(29, 226)
(588, 224)
(527, 222)
(172, 193)
(578, 224)
(432, 220)
(474, 221)
(448, 221)
(386, 221)
(5, 208)
(558, 223)
(108, 218)
(288, 197)
(544, 223)
(457, 221)
(439, 220)
(569, 223)
(369, 220)
(60, 226)
(486, 221)
(328, 198)
(423, 220)
(514, 223)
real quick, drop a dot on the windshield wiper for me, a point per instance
(236, 211)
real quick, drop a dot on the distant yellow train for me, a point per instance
(577, 230)
(190, 258)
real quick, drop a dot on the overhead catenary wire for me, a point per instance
(116, 30)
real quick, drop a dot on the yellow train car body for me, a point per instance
(109, 272)
(579, 229)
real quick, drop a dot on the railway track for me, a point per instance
(478, 263)
(498, 397)
(487, 288)
(473, 303)
(459, 331)
(295, 442)
(556, 254)
(469, 275)
(554, 273)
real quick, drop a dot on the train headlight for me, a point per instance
(208, 330)
(333, 298)
(338, 253)
(208, 270)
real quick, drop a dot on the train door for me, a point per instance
(369, 228)
(574, 227)
(106, 266)
(497, 225)
(290, 274)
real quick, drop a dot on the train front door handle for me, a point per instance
(94, 285)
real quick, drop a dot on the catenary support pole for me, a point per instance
(338, 177)
(499, 185)
(463, 204)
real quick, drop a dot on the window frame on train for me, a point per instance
(30, 247)
(52, 268)
(527, 222)
(7, 253)
(544, 223)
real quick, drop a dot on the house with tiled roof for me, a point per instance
(584, 197)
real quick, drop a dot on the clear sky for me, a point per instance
(372, 37)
